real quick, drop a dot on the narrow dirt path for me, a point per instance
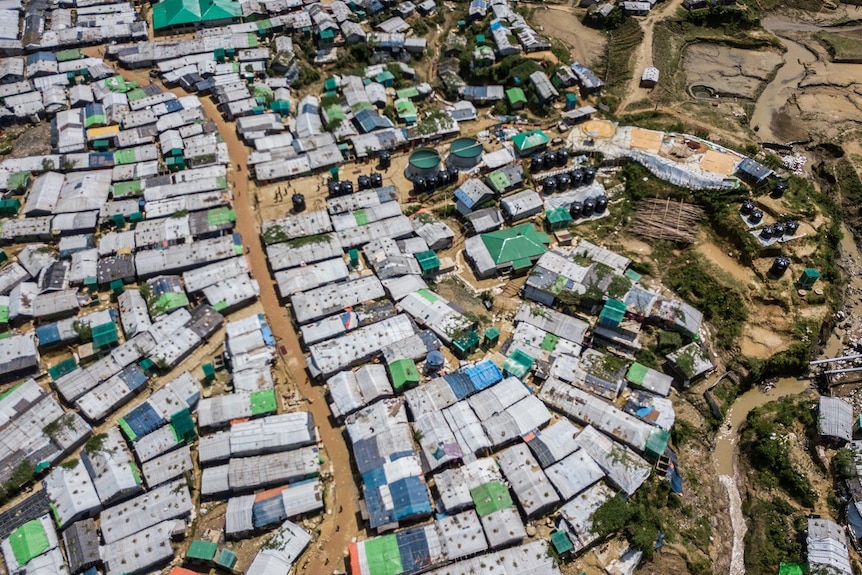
(341, 522)
(643, 55)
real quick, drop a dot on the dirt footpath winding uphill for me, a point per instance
(341, 523)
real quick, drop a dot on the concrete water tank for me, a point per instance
(423, 163)
(465, 153)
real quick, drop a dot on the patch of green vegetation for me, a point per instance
(308, 240)
(766, 445)
(71, 464)
(682, 432)
(96, 443)
(616, 68)
(721, 303)
(83, 329)
(274, 234)
(619, 286)
(774, 535)
(844, 463)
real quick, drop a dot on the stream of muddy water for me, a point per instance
(724, 455)
(786, 80)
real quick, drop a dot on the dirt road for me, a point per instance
(643, 54)
(341, 523)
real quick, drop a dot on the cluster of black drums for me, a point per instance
(346, 188)
(568, 180)
(427, 185)
(777, 230)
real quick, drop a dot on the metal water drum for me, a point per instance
(376, 180)
(576, 210)
(755, 217)
(601, 203)
(298, 202)
(747, 207)
(589, 176)
(562, 157)
(363, 182)
(589, 207)
(577, 176)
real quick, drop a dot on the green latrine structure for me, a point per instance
(209, 372)
(491, 337)
(613, 313)
(226, 558)
(561, 543)
(808, 278)
(516, 98)
(429, 263)
(62, 368)
(558, 218)
(403, 374)
(518, 364)
(466, 345)
(656, 444)
(105, 336)
(9, 207)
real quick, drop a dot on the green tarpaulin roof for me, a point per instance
(518, 243)
(121, 189)
(407, 93)
(183, 424)
(263, 401)
(226, 558)
(614, 311)
(789, 569)
(18, 180)
(516, 95)
(490, 497)
(178, 13)
(383, 556)
(202, 550)
(403, 372)
(105, 335)
(656, 444)
(526, 141)
(558, 216)
(29, 541)
(637, 373)
(428, 260)
(4, 314)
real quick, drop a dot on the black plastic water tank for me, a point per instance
(347, 188)
(766, 232)
(779, 266)
(791, 227)
(385, 160)
(419, 186)
(589, 176)
(443, 178)
(550, 159)
(589, 207)
(562, 157)
(747, 206)
(453, 175)
(563, 182)
(601, 203)
(363, 182)
(333, 188)
(779, 189)
(376, 180)
(778, 229)
(755, 216)
(576, 209)
(577, 177)
(432, 182)
(549, 185)
(298, 202)
(537, 163)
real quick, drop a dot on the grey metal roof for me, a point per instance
(281, 551)
(72, 494)
(351, 390)
(167, 501)
(81, 540)
(140, 551)
(326, 300)
(835, 418)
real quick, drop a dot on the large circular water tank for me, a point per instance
(423, 163)
(465, 153)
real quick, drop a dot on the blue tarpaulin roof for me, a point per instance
(143, 419)
(173, 106)
(48, 334)
(483, 374)
(410, 497)
(268, 511)
(460, 384)
(133, 376)
(413, 547)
